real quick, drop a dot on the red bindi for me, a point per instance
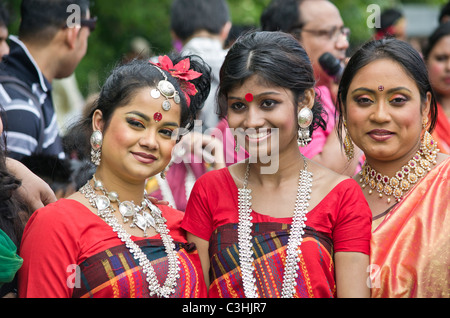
(249, 97)
(157, 116)
(381, 88)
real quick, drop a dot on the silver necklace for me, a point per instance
(106, 212)
(295, 238)
(129, 211)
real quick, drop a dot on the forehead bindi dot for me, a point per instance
(157, 116)
(381, 88)
(249, 97)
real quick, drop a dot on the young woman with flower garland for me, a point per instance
(108, 239)
(385, 102)
(298, 231)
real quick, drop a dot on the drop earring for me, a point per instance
(236, 145)
(96, 146)
(348, 144)
(426, 134)
(304, 117)
(162, 174)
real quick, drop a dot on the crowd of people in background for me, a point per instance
(156, 186)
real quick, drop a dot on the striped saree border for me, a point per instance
(115, 273)
(269, 248)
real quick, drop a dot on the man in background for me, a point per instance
(202, 27)
(319, 28)
(4, 21)
(48, 47)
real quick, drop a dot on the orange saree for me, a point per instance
(410, 249)
(441, 132)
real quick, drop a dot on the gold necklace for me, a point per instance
(406, 177)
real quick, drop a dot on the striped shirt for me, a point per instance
(29, 128)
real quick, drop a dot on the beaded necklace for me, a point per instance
(295, 238)
(402, 181)
(103, 205)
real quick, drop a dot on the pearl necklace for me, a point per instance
(294, 241)
(406, 177)
(106, 212)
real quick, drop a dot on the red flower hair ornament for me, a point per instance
(182, 72)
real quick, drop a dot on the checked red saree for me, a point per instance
(114, 273)
(69, 251)
(341, 222)
(315, 277)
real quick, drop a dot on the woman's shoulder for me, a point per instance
(214, 177)
(64, 215)
(61, 208)
(212, 174)
(331, 187)
(327, 179)
(170, 213)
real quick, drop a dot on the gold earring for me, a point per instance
(348, 144)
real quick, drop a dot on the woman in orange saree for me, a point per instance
(385, 101)
(410, 253)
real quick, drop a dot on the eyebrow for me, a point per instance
(255, 96)
(374, 91)
(146, 118)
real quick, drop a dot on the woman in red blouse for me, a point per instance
(277, 224)
(108, 239)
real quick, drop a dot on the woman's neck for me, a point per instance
(390, 167)
(281, 167)
(127, 190)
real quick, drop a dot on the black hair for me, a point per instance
(41, 19)
(389, 17)
(4, 16)
(11, 203)
(398, 51)
(276, 58)
(190, 16)
(124, 82)
(283, 15)
(441, 31)
(445, 11)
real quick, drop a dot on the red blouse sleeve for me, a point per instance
(353, 223)
(50, 252)
(198, 218)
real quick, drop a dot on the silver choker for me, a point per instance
(295, 238)
(129, 211)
